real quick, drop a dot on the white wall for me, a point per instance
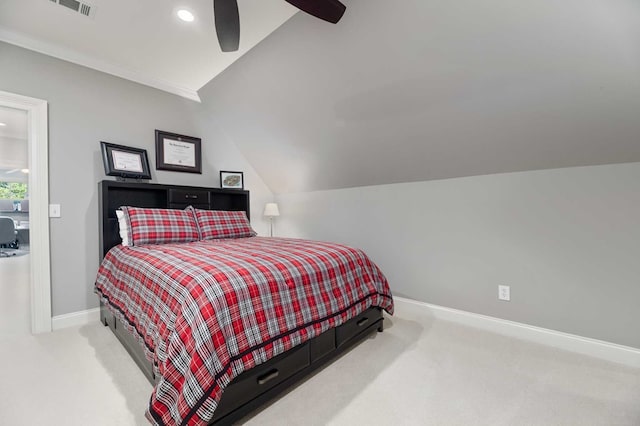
(567, 241)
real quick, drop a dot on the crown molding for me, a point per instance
(75, 57)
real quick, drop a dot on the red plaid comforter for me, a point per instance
(208, 310)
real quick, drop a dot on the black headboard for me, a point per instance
(113, 194)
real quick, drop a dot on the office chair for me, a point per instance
(7, 234)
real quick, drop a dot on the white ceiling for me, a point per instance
(13, 145)
(429, 90)
(140, 40)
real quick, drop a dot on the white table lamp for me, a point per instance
(271, 211)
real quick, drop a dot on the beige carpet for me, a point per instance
(418, 372)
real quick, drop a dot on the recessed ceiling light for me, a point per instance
(25, 171)
(3, 124)
(185, 15)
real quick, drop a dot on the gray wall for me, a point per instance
(401, 92)
(424, 89)
(86, 107)
(565, 240)
(419, 90)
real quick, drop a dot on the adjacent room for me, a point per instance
(323, 212)
(14, 223)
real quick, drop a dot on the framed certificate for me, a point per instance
(125, 161)
(178, 153)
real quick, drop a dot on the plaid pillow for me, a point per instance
(215, 224)
(160, 226)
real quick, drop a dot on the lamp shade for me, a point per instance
(271, 210)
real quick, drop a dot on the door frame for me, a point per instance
(38, 155)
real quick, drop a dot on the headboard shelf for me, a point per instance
(114, 194)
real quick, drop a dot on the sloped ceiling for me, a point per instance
(427, 89)
(141, 40)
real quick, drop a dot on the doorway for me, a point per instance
(14, 223)
(36, 218)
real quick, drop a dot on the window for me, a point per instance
(13, 190)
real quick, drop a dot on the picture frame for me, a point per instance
(125, 161)
(178, 153)
(231, 180)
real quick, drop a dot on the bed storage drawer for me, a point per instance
(322, 345)
(357, 325)
(130, 343)
(260, 379)
(188, 197)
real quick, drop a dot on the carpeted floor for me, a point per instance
(418, 372)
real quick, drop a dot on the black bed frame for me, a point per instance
(264, 382)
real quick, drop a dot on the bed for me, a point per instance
(222, 325)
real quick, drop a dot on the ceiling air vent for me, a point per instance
(77, 6)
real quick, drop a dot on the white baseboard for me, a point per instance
(75, 319)
(557, 339)
(570, 342)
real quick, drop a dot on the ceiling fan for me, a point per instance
(227, 18)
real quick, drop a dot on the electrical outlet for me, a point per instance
(504, 292)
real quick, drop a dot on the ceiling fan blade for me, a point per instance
(327, 10)
(227, 22)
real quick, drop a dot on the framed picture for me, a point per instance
(125, 161)
(178, 153)
(233, 180)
